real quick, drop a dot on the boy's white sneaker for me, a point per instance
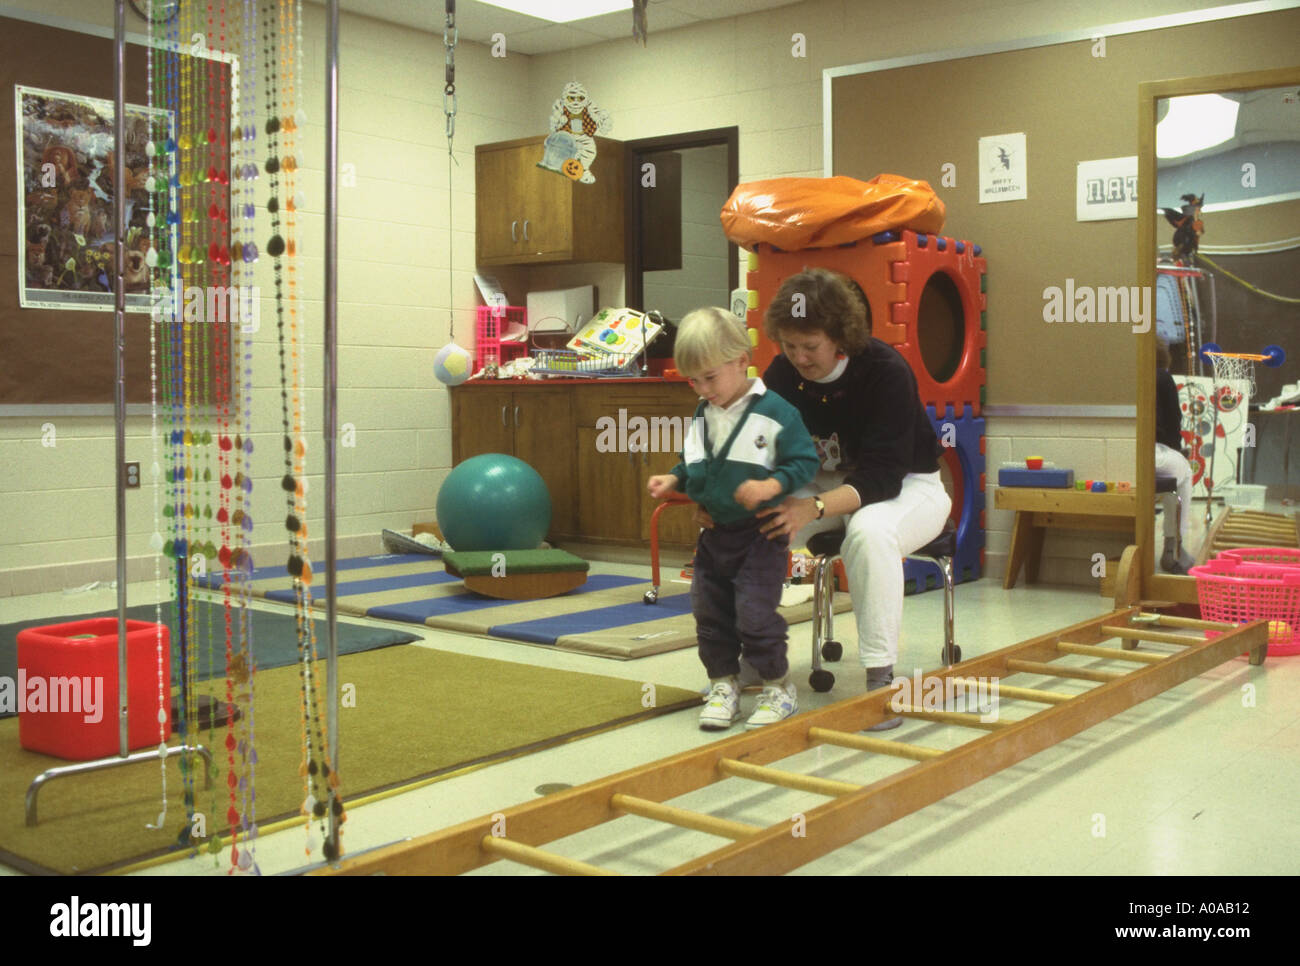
(747, 679)
(776, 703)
(722, 706)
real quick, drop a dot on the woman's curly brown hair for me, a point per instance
(819, 300)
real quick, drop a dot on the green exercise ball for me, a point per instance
(494, 502)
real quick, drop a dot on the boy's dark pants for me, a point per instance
(735, 592)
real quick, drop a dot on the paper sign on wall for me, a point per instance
(1107, 189)
(1004, 169)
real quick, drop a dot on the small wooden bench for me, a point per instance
(1038, 510)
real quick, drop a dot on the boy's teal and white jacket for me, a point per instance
(768, 441)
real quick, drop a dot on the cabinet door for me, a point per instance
(545, 207)
(543, 422)
(677, 526)
(609, 490)
(496, 205)
(482, 422)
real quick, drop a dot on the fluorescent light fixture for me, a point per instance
(562, 11)
(1194, 123)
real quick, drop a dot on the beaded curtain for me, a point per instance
(214, 162)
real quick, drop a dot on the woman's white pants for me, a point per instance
(877, 538)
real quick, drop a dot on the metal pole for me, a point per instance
(119, 324)
(331, 395)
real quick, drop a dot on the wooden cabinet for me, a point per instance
(528, 215)
(532, 424)
(595, 443)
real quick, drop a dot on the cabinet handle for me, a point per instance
(516, 417)
(504, 424)
(525, 229)
(514, 230)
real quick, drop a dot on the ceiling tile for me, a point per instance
(478, 21)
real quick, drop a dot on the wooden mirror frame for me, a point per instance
(1156, 586)
(634, 293)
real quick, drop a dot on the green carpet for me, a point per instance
(274, 636)
(418, 713)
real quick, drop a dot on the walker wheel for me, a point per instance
(651, 597)
(832, 650)
(821, 680)
(956, 655)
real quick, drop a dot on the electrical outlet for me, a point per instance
(132, 471)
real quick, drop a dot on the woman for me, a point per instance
(879, 476)
(1171, 462)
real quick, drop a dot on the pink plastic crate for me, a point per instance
(1238, 592)
(491, 322)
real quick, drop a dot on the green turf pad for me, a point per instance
(481, 563)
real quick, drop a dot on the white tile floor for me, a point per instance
(1194, 781)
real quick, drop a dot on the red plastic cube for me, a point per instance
(67, 688)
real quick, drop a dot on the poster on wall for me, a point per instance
(1106, 190)
(1004, 168)
(1215, 413)
(65, 201)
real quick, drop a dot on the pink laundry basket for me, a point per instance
(1240, 591)
(1279, 556)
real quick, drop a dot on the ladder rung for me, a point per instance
(1136, 634)
(539, 859)
(899, 749)
(965, 719)
(786, 779)
(698, 821)
(1170, 621)
(1024, 694)
(1061, 671)
(1110, 653)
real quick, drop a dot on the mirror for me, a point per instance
(1223, 151)
(678, 259)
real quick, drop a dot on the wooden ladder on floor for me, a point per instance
(1190, 647)
(1251, 528)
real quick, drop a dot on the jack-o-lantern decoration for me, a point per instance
(572, 169)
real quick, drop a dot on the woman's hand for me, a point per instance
(789, 518)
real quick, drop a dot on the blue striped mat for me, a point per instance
(606, 616)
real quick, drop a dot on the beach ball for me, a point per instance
(452, 365)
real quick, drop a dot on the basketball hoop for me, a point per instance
(1240, 365)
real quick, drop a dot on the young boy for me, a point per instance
(746, 449)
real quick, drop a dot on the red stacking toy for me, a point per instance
(894, 269)
(67, 695)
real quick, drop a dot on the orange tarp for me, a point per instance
(797, 213)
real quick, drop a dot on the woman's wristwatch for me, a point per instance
(821, 507)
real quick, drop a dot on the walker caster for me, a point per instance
(832, 651)
(956, 655)
(651, 596)
(821, 680)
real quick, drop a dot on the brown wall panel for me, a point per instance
(52, 356)
(1072, 107)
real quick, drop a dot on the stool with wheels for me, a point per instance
(825, 547)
